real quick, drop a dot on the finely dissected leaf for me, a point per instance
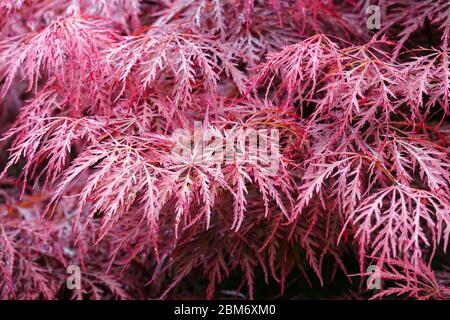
(192, 148)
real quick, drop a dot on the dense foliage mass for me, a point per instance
(95, 93)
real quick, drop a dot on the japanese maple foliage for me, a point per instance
(96, 95)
